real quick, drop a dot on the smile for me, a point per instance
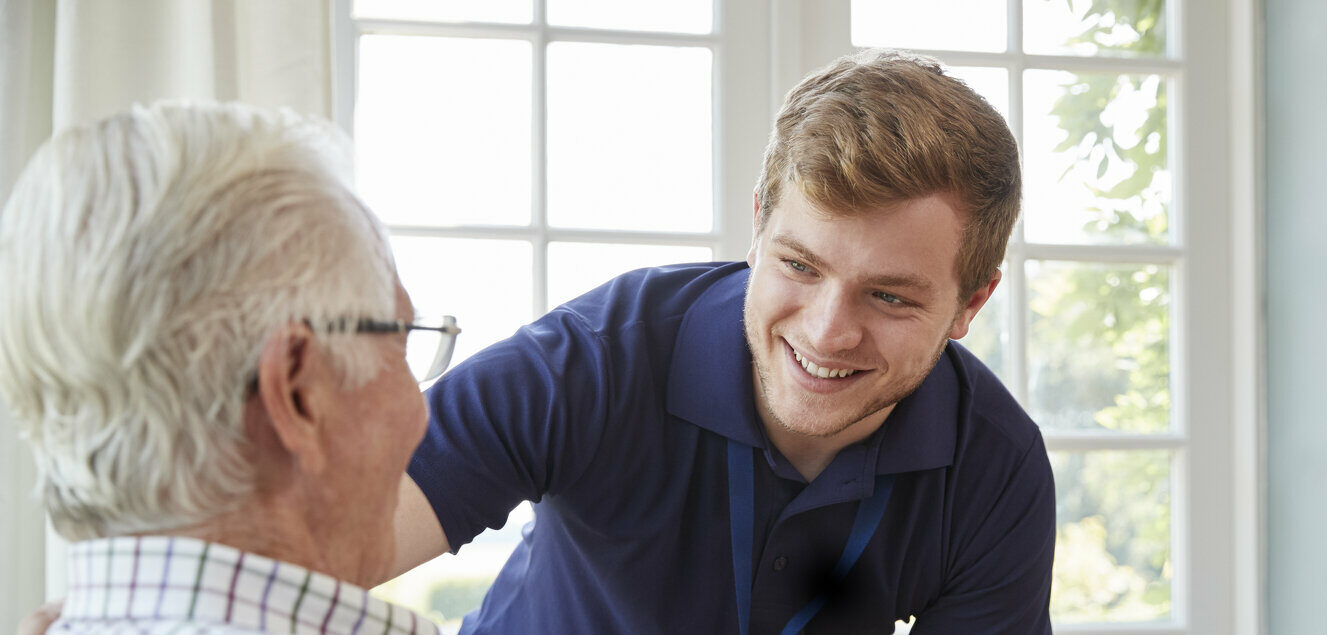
(822, 372)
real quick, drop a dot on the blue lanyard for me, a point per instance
(742, 511)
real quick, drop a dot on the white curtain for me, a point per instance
(68, 61)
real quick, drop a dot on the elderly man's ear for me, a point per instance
(295, 380)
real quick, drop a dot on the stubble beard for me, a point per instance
(910, 384)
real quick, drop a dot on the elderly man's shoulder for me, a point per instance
(184, 585)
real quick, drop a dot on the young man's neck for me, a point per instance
(810, 455)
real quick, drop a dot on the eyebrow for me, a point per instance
(884, 280)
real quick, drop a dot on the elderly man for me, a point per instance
(203, 337)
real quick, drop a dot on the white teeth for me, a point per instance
(819, 371)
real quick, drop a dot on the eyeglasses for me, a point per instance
(428, 343)
(428, 346)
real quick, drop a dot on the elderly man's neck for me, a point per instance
(281, 535)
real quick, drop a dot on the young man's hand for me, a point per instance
(39, 620)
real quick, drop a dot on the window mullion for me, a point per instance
(1017, 312)
(743, 90)
(539, 154)
(1018, 320)
(345, 56)
(1014, 28)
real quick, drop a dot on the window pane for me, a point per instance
(988, 336)
(509, 11)
(449, 586)
(629, 137)
(1088, 27)
(574, 268)
(442, 130)
(486, 284)
(981, 25)
(1112, 547)
(991, 83)
(1097, 167)
(1099, 346)
(676, 16)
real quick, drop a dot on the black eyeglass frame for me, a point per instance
(441, 358)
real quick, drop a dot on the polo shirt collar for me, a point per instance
(710, 385)
(709, 382)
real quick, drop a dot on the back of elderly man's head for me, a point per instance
(144, 259)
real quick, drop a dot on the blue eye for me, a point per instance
(797, 266)
(888, 298)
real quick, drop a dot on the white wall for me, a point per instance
(22, 532)
(1296, 40)
(26, 59)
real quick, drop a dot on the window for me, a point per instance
(491, 139)
(1095, 327)
(1082, 330)
(542, 147)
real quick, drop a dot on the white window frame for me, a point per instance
(740, 117)
(1226, 563)
(1218, 480)
(742, 114)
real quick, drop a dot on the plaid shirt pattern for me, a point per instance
(180, 586)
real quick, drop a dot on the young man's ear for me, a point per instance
(290, 369)
(969, 311)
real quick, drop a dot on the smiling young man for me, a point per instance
(788, 444)
(847, 315)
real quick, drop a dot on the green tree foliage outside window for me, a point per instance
(1113, 552)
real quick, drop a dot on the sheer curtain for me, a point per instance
(68, 61)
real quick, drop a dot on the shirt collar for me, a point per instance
(175, 579)
(710, 385)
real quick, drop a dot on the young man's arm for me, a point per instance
(1000, 581)
(419, 536)
(515, 422)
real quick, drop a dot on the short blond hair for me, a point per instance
(882, 127)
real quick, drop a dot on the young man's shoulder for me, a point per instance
(653, 295)
(987, 406)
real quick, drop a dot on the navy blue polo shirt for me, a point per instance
(613, 414)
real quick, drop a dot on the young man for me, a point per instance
(788, 444)
(203, 338)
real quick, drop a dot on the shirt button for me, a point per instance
(779, 563)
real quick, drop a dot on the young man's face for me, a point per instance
(846, 315)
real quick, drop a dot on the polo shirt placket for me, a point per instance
(804, 526)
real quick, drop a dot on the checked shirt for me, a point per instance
(180, 586)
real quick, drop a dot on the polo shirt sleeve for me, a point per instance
(999, 576)
(516, 422)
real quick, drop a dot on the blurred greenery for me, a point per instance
(1103, 332)
(1128, 27)
(455, 597)
(436, 590)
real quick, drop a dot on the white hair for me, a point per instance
(144, 260)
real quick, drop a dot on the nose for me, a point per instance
(833, 324)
